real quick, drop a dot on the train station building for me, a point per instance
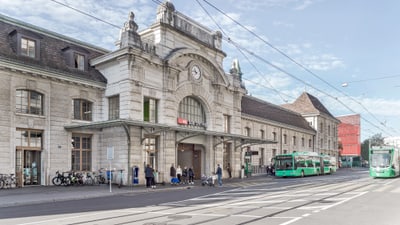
(161, 98)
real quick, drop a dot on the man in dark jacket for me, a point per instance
(149, 174)
(172, 172)
(219, 175)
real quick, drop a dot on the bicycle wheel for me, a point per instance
(56, 181)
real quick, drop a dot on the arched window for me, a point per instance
(191, 113)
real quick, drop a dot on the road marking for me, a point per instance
(346, 200)
(383, 188)
(291, 221)
(397, 190)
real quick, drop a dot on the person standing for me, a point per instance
(149, 174)
(179, 173)
(191, 175)
(219, 175)
(172, 172)
(185, 175)
(229, 170)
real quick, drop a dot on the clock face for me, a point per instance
(196, 72)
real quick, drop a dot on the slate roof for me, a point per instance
(264, 110)
(308, 104)
(52, 57)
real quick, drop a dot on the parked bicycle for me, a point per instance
(61, 179)
(99, 178)
(8, 181)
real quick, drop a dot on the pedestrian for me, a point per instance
(149, 174)
(219, 175)
(228, 167)
(185, 175)
(172, 172)
(191, 175)
(179, 173)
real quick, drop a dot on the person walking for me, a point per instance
(219, 175)
(149, 174)
(185, 175)
(229, 169)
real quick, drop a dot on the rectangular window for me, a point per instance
(29, 139)
(309, 143)
(262, 134)
(28, 47)
(302, 142)
(113, 107)
(294, 140)
(79, 61)
(29, 102)
(247, 131)
(81, 153)
(284, 139)
(150, 147)
(150, 110)
(274, 136)
(82, 110)
(227, 124)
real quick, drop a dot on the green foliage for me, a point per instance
(375, 140)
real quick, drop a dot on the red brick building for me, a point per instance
(349, 138)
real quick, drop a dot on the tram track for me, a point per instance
(187, 213)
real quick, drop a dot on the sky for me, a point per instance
(344, 52)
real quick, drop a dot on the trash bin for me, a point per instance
(109, 175)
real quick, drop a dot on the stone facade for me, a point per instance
(161, 98)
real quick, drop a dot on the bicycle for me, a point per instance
(8, 181)
(100, 178)
(61, 179)
(89, 179)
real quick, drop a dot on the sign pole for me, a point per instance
(110, 156)
(110, 176)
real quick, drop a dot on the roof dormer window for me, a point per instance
(26, 43)
(76, 58)
(79, 61)
(28, 47)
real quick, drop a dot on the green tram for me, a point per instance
(384, 161)
(300, 164)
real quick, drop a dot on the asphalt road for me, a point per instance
(348, 197)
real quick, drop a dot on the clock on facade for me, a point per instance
(196, 72)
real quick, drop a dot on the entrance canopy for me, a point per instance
(184, 133)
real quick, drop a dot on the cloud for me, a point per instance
(322, 62)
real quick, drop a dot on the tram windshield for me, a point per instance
(380, 160)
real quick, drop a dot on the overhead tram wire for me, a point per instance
(86, 14)
(241, 49)
(244, 55)
(291, 59)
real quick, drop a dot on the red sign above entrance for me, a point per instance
(182, 121)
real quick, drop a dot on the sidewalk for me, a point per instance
(42, 194)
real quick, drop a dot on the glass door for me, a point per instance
(31, 164)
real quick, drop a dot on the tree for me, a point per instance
(374, 140)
